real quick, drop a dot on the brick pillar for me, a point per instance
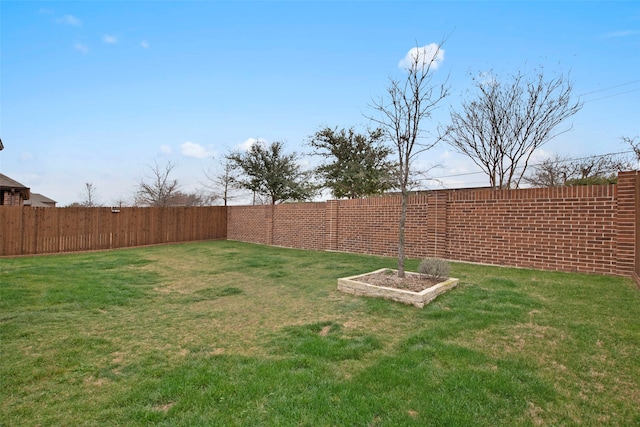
(331, 215)
(437, 224)
(626, 219)
(269, 213)
(636, 274)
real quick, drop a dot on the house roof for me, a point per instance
(6, 182)
(38, 200)
(9, 184)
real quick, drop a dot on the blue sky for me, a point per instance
(96, 91)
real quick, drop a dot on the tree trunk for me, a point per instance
(403, 220)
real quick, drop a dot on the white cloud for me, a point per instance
(623, 33)
(144, 44)
(25, 156)
(165, 149)
(487, 78)
(445, 155)
(191, 149)
(540, 155)
(246, 145)
(69, 20)
(83, 48)
(429, 54)
(108, 39)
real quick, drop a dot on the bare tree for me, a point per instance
(120, 202)
(194, 198)
(634, 144)
(88, 196)
(222, 182)
(508, 121)
(551, 172)
(401, 115)
(559, 171)
(158, 189)
(596, 170)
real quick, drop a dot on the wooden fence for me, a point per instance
(28, 230)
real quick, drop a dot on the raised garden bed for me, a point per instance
(368, 284)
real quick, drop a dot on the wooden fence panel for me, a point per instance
(28, 230)
(10, 226)
(46, 238)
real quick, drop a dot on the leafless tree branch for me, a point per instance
(157, 188)
(508, 121)
(401, 114)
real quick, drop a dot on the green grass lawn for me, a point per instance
(231, 334)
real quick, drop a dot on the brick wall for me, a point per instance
(250, 224)
(628, 225)
(587, 229)
(567, 228)
(368, 226)
(300, 225)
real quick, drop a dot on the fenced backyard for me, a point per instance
(591, 229)
(222, 332)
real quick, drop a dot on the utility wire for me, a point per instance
(611, 96)
(595, 156)
(563, 160)
(610, 87)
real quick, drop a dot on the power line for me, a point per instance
(610, 87)
(595, 156)
(563, 160)
(611, 96)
